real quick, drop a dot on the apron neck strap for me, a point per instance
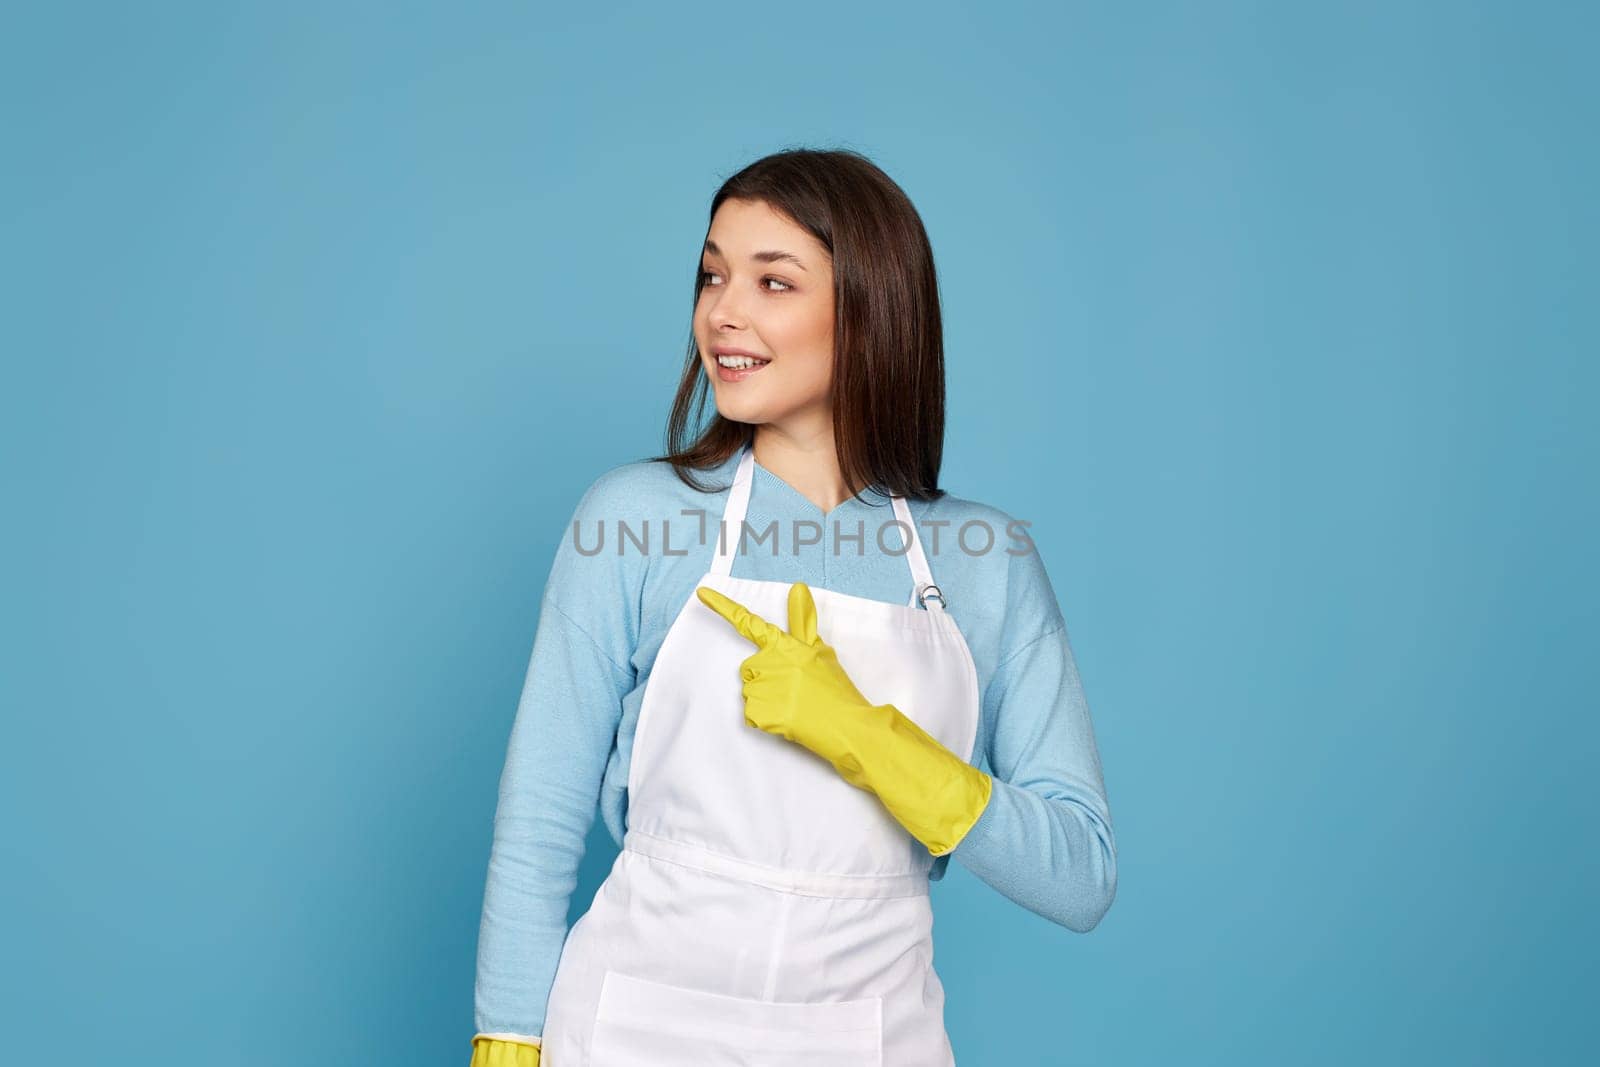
(731, 531)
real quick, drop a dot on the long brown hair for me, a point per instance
(888, 356)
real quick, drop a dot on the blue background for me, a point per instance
(1277, 322)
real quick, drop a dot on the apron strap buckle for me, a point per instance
(931, 592)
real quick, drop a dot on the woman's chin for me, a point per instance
(747, 413)
(743, 408)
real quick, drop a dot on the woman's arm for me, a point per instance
(566, 722)
(565, 727)
(1045, 839)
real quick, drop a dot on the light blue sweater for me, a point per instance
(1045, 840)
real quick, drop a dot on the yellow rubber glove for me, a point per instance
(498, 1052)
(794, 687)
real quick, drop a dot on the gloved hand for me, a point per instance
(794, 687)
(498, 1052)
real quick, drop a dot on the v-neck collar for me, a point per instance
(869, 498)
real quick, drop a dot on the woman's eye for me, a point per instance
(706, 277)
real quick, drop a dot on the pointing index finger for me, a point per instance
(753, 627)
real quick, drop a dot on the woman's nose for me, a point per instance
(726, 309)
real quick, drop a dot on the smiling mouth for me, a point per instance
(741, 362)
(738, 368)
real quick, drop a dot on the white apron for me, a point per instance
(763, 911)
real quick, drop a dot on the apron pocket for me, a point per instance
(656, 1025)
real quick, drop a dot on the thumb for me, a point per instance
(802, 614)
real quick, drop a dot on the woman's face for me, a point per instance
(767, 292)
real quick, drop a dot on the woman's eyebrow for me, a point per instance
(762, 257)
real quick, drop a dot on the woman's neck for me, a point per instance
(809, 464)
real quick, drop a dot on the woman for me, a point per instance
(744, 658)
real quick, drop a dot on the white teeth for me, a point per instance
(740, 362)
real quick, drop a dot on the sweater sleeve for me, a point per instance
(1045, 839)
(565, 726)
